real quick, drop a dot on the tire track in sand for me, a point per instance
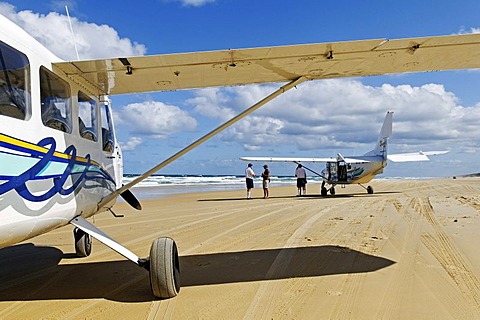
(447, 255)
(261, 306)
(401, 282)
(164, 309)
(51, 280)
(344, 235)
(350, 286)
(473, 202)
(177, 228)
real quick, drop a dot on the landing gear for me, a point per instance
(369, 188)
(163, 263)
(164, 268)
(323, 191)
(83, 243)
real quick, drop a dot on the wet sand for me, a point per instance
(409, 251)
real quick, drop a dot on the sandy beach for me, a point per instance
(409, 251)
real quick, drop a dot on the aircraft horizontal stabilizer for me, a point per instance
(413, 156)
(434, 153)
(296, 160)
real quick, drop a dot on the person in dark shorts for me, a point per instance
(301, 180)
(249, 175)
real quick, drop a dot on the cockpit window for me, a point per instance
(107, 129)
(55, 98)
(14, 83)
(87, 116)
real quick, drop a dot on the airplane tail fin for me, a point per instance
(382, 142)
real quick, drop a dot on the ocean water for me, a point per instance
(159, 185)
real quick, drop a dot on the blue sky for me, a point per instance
(433, 111)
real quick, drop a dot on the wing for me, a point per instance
(414, 156)
(297, 160)
(276, 64)
(269, 159)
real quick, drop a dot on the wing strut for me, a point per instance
(209, 135)
(101, 236)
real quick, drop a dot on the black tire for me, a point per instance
(164, 268)
(324, 191)
(83, 243)
(369, 190)
(332, 191)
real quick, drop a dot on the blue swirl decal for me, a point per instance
(21, 162)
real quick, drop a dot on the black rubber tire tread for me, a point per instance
(164, 268)
(83, 243)
(323, 191)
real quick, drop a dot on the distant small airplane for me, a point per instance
(60, 161)
(356, 169)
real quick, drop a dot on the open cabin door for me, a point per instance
(111, 149)
(342, 171)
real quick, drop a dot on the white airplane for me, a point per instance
(356, 169)
(60, 162)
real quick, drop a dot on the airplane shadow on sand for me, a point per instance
(308, 196)
(29, 273)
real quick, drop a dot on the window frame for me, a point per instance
(51, 103)
(107, 131)
(88, 132)
(15, 90)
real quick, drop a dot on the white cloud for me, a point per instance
(212, 103)
(131, 144)
(345, 113)
(471, 30)
(156, 119)
(255, 132)
(195, 3)
(53, 31)
(192, 3)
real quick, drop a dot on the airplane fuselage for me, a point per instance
(58, 154)
(353, 172)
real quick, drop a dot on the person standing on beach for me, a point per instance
(249, 174)
(266, 181)
(301, 180)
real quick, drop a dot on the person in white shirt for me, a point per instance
(301, 180)
(249, 174)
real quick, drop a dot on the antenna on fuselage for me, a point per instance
(73, 34)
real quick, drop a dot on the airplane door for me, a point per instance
(111, 149)
(342, 171)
